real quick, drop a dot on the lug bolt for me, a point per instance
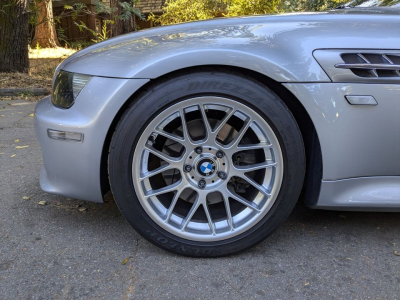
(188, 168)
(202, 183)
(198, 150)
(220, 154)
(222, 175)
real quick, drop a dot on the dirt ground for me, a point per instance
(42, 63)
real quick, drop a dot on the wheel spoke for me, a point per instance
(172, 206)
(189, 216)
(261, 145)
(169, 159)
(244, 201)
(185, 128)
(254, 167)
(223, 122)
(205, 120)
(155, 172)
(228, 210)
(259, 187)
(210, 222)
(171, 136)
(234, 144)
(164, 190)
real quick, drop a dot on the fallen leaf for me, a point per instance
(31, 115)
(13, 155)
(20, 112)
(17, 140)
(26, 197)
(306, 283)
(42, 202)
(82, 209)
(3, 116)
(396, 253)
(125, 261)
(21, 147)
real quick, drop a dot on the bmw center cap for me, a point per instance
(206, 167)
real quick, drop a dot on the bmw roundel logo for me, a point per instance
(206, 167)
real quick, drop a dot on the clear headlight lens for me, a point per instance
(67, 87)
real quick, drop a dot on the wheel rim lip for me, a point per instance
(193, 233)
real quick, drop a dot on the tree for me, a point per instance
(311, 5)
(45, 30)
(177, 11)
(123, 16)
(255, 7)
(14, 34)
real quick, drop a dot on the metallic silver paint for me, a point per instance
(329, 59)
(73, 169)
(362, 194)
(356, 141)
(279, 47)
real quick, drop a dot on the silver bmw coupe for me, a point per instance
(208, 132)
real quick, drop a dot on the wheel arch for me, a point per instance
(312, 183)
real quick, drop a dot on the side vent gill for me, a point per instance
(371, 65)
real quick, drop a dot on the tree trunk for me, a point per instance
(45, 31)
(121, 26)
(14, 34)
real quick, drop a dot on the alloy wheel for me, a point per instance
(207, 168)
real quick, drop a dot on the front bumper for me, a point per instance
(72, 169)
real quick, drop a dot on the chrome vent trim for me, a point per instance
(367, 67)
(360, 65)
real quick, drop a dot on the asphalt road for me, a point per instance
(70, 249)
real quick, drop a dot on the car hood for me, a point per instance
(279, 39)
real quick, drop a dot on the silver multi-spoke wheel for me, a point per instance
(207, 168)
(206, 163)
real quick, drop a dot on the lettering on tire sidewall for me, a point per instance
(185, 249)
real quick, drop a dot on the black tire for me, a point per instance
(172, 90)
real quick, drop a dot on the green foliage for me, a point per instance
(177, 11)
(103, 34)
(310, 5)
(254, 7)
(107, 14)
(101, 8)
(79, 45)
(98, 36)
(33, 13)
(61, 35)
(128, 10)
(379, 2)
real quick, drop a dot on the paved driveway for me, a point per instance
(70, 249)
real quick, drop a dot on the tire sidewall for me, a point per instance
(151, 102)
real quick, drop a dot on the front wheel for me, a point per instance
(206, 164)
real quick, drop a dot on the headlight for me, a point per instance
(67, 87)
